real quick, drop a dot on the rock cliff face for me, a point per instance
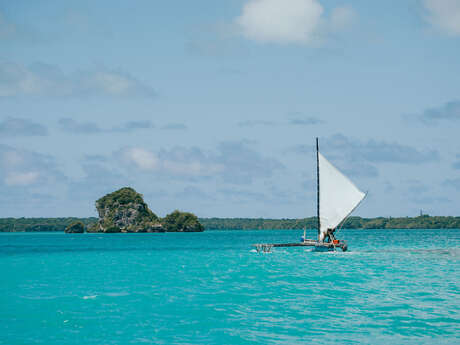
(125, 211)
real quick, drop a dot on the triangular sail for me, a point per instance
(338, 196)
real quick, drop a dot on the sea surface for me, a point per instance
(391, 287)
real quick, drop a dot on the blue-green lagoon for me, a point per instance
(392, 286)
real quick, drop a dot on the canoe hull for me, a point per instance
(317, 246)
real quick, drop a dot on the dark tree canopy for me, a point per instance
(182, 222)
(75, 228)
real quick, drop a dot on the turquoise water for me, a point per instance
(209, 288)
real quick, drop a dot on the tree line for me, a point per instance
(420, 222)
(40, 224)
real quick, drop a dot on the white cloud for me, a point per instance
(290, 21)
(46, 80)
(21, 179)
(142, 158)
(178, 161)
(233, 162)
(30, 183)
(15, 79)
(114, 83)
(20, 167)
(444, 14)
(281, 21)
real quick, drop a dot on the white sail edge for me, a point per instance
(354, 208)
(339, 196)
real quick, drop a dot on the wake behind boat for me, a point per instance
(337, 198)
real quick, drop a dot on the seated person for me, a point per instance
(329, 236)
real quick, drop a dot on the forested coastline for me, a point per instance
(41, 224)
(421, 222)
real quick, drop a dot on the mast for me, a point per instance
(317, 186)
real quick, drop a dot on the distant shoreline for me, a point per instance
(420, 222)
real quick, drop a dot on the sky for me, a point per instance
(213, 107)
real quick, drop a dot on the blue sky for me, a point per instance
(213, 107)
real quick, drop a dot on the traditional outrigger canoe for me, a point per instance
(337, 198)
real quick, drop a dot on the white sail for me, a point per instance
(338, 196)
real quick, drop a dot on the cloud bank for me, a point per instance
(358, 158)
(75, 127)
(298, 121)
(375, 151)
(41, 79)
(444, 15)
(445, 113)
(372, 151)
(19, 167)
(232, 162)
(13, 127)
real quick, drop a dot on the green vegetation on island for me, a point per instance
(182, 222)
(75, 228)
(125, 211)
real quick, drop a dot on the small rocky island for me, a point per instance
(125, 211)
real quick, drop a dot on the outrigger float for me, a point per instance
(337, 198)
